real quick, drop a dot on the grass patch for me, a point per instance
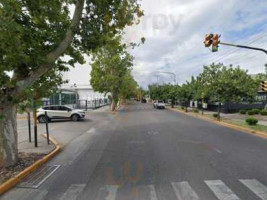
(257, 127)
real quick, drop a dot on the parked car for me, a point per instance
(59, 112)
(159, 104)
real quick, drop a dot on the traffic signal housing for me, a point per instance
(264, 86)
(215, 42)
(208, 40)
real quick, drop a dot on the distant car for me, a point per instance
(143, 101)
(159, 104)
(59, 112)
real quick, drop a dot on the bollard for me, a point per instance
(29, 126)
(47, 132)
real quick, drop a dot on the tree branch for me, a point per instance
(56, 53)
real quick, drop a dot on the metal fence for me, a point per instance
(79, 104)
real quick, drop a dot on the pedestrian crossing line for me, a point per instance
(184, 191)
(256, 187)
(72, 192)
(111, 192)
(221, 191)
(153, 194)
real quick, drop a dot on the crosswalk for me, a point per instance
(217, 189)
(184, 191)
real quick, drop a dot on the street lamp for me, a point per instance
(170, 73)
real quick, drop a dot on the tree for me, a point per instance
(228, 84)
(186, 94)
(35, 35)
(129, 87)
(110, 65)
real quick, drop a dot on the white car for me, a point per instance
(159, 104)
(59, 112)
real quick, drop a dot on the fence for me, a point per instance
(79, 104)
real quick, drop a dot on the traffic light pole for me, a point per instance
(245, 47)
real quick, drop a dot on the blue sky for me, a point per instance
(175, 30)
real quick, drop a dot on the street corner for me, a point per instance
(27, 164)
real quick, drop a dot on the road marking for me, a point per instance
(256, 187)
(73, 191)
(221, 190)
(184, 191)
(110, 192)
(153, 194)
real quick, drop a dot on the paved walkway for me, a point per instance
(56, 129)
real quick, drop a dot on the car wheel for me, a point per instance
(42, 119)
(75, 118)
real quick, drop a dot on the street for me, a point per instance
(141, 153)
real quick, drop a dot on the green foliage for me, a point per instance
(228, 84)
(34, 37)
(111, 68)
(256, 111)
(263, 112)
(251, 121)
(242, 111)
(251, 112)
(196, 111)
(215, 115)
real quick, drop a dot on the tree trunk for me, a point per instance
(202, 107)
(8, 135)
(219, 112)
(113, 105)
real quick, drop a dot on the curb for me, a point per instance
(225, 124)
(16, 179)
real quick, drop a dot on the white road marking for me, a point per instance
(72, 192)
(153, 194)
(111, 191)
(256, 187)
(221, 190)
(184, 191)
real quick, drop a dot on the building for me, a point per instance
(77, 96)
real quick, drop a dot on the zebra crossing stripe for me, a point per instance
(256, 187)
(184, 191)
(111, 192)
(221, 191)
(153, 194)
(72, 192)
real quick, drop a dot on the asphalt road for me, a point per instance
(146, 154)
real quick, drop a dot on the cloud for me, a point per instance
(179, 47)
(175, 30)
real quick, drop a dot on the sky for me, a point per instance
(175, 31)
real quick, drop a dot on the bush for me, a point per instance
(263, 112)
(256, 111)
(242, 112)
(215, 115)
(251, 112)
(182, 108)
(251, 121)
(195, 111)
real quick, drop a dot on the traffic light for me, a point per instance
(215, 42)
(264, 86)
(208, 40)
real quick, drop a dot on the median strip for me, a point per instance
(223, 123)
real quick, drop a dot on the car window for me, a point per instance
(63, 108)
(54, 108)
(47, 108)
